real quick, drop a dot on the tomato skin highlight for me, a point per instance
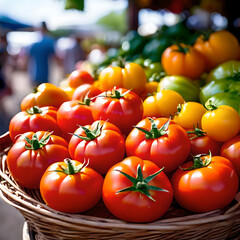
(73, 193)
(134, 206)
(231, 150)
(207, 188)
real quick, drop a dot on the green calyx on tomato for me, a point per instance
(154, 132)
(199, 161)
(34, 110)
(211, 106)
(116, 94)
(198, 132)
(181, 48)
(36, 143)
(90, 135)
(85, 101)
(140, 184)
(71, 169)
(119, 62)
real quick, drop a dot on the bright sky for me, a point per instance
(53, 12)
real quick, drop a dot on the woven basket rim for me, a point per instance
(20, 199)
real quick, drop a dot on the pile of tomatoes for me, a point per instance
(108, 139)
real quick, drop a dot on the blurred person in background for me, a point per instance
(5, 88)
(70, 52)
(38, 56)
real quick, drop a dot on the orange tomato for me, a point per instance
(150, 89)
(131, 76)
(183, 60)
(46, 94)
(163, 104)
(189, 114)
(219, 47)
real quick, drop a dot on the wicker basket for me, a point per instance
(98, 223)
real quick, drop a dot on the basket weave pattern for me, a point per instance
(98, 223)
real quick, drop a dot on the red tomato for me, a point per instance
(32, 153)
(137, 190)
(73, 113)
(102, 144)
(161, 141)
(33, 120)
(79, 77)
(202, 143)
(120, 106)
(207, 184)
(231, 150)
(85, 90)
(71, 186)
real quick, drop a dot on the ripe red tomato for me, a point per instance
(71, 186)
(207, 184)
(202, 143)
(85, 90)
(161, 141)
(33, 120)
(120, 106)
(231, 150)
(73, 113)
(101, 143)
(137, 190)
(79, 77)
(32, 153)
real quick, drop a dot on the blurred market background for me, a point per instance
(103, 30)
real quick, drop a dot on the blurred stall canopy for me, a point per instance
(10, 24)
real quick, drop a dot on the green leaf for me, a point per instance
(74, 4)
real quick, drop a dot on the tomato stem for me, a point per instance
(199, 161)
(34, 110)
(211, 106)
(140, 184)
(71, 169)
(36, 143)
(154, 132)
(114, 93)
(85, 101)
(181, 48)
(90, 135)
(198, 132)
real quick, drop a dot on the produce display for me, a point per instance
(142, 134)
